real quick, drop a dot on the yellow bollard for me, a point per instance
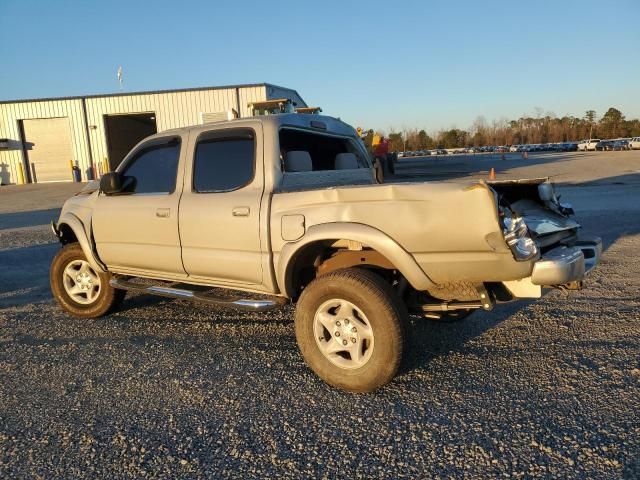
(21, 174)
(105, 164)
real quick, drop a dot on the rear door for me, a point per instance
(138, 232)
(220, 212)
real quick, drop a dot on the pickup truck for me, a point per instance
(258, 212)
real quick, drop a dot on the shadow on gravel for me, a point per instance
(428, 339)
(24, 274)
(28, 219)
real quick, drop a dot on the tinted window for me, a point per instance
(155, 168)
(223, 163)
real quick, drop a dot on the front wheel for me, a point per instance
(78, 288)
(349, 327)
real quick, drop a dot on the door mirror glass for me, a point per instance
(111, 183)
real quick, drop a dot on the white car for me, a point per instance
(514, 148)
(634, 143)
(591, 144)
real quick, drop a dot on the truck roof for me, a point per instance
(321, 123)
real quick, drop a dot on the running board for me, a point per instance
(251, 305)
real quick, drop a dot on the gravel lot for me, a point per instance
(169, 389)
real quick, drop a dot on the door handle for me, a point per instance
(240, 211)
(163, 212)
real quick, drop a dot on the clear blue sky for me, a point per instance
(376, 64)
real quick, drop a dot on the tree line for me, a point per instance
(524, 130)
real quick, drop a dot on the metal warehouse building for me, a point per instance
(41, 139)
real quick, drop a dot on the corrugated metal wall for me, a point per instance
(172, 110)
(253, 94)
(12, 113)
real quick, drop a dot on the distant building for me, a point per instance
(41, 139)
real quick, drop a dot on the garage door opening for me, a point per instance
(125, 131)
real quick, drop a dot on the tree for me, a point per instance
(611, 123)
(452, 138)
(424, 140)
(526, 129)
(396, 142)
(590, 117)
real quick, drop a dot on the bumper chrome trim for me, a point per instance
(567, 264)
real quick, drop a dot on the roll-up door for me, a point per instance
(47, 143)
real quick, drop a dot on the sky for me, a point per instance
(383, 65)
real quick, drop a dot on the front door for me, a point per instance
(220, 206)
(137, 231)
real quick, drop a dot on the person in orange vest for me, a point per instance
(382, 148)
(381, 152)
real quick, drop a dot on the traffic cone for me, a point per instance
(492, 174)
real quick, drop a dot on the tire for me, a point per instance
(374, 313)
(93, 296)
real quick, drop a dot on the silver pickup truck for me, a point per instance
(258, 212)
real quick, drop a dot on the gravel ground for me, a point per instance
(169, 389)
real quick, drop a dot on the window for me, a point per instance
(155, 168)
(322, 148)
(224, 160)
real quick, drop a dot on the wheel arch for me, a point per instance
(320, 236)
(69, 229)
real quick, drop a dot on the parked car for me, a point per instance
(289, 208)
(591, 144)
(604, 145)
(622, 144)
(634, 143)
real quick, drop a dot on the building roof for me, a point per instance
(150, 92)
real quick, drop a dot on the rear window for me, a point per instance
(322, 148)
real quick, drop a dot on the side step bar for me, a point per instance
(237, 303)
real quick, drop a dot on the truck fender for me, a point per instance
(357, 232)
(76, 225)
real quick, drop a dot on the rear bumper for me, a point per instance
(567, 264)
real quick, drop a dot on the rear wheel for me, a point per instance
(78, 288)
(349, 327)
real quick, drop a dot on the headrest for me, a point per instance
(346, 161)
(298, 161)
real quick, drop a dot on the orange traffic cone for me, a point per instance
(492, 174)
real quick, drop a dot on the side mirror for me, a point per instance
(111, 183)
